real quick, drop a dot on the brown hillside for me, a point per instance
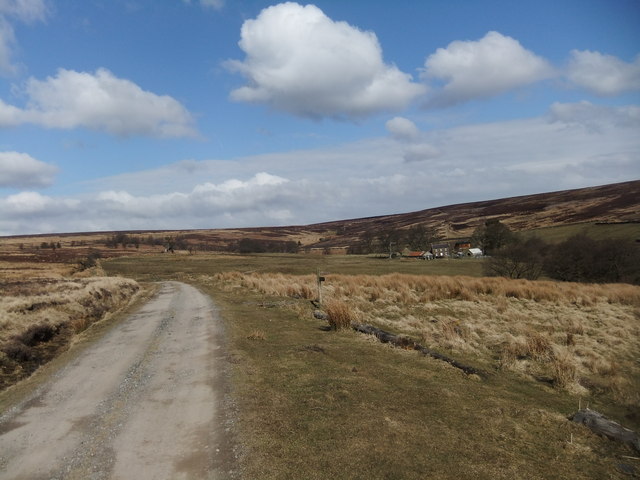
(618, 202)
(608, 203)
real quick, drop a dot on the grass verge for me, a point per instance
(319, 404)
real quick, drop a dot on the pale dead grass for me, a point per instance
(580, 337)
(22, 270)
(76, 302)
(41, 315)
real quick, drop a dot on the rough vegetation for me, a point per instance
(40, 316)
(582, 338)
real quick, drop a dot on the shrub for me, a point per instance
(90, 261)
(517, 259)
(340, 315)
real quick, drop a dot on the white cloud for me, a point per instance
(603, 75)
(7, 41)
(26, 11)
(415, 148)
(300, 61)
(484, 68)
(365, 178)
(595, 117)
(420, 152)
(20, 170)
(402, 128)
(99, 101)
(215, 4)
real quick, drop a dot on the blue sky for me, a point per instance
(134, 114)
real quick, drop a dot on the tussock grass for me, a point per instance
(340, 315)
(564, 332)
(39, 316)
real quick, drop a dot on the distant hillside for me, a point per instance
(608, 203)
(618, 202)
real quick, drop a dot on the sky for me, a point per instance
(184, 114)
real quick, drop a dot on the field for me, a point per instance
(318, 403)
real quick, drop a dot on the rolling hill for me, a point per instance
(608, 204)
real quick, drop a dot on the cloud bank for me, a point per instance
(560, 150)
(300, 61)
(98, 101)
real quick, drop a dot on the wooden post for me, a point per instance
(320, 280)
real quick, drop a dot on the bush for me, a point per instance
(90, 261)
(518, 259)
(340, 315)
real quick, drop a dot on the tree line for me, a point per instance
(388, 240)
(579, 258)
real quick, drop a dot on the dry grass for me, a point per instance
(340, 315)
(257, 335)
(566, 333)
(40, 315)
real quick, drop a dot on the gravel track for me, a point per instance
(144, 402)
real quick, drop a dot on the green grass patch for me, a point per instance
(613, 232)
(158, 266)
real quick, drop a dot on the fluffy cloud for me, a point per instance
(19, 170)
(99, 101)
(603, 75)
(483, 68)
(300, 61)
(402, 128)
(26, 11)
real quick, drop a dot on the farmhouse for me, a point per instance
(440, 250)
(461, 245)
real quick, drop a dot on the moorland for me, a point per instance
(318, 402)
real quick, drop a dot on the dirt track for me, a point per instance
(143, 402)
